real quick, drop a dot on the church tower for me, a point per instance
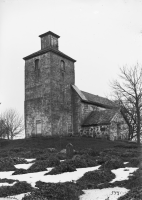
(49, 74)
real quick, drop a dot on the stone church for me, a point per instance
(55, 106)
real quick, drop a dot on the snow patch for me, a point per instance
(123, 173)
(23, 166)
(126, 163)
(30, 159)
(7, 184)
(104, 194)
(15, 197)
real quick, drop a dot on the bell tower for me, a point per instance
(49, 74)
(49, 40)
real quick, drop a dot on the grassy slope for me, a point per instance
(59, 143)
(117, 151)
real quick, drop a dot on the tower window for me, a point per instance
(36, 64)
(37, 70)
(62, 66)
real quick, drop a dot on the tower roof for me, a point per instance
(49, 33)
(48, 50)
(49, 44)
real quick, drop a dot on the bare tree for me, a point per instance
(11, 124)
(128, 92)
(3, 129)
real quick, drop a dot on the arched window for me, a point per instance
(62, 66)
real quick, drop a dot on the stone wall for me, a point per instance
(37, 95)
(96, 131)
(85, 111)
(118, 129)
(76, 103)
(61, 104)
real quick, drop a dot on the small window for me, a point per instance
(36, 64)
(37, 69)
(62, 66)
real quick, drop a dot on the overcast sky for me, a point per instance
(102, 35)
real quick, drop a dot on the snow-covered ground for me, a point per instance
(94, 194)
(104, 194)
(32, 178)
(122, 173)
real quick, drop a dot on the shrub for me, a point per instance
(61, 156)
(129, 154)
(51, 156)
(134, 162)
(88, 151)
(38, 166)
(77, 163)
(17, 188)
(103, 158)
(63, 167)
(6, 165)
(92, 179)
(43, 164)
(44, 156)
(111, 152)
(135, 180)
(89, 160)
(20, 171)
(17, 160)
(52, 191)
(112, 164)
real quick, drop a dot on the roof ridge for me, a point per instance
(95, 95)
(45, 51)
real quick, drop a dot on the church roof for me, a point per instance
(102, 117)
(40, 52)
(94, 99)
(98, 100)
